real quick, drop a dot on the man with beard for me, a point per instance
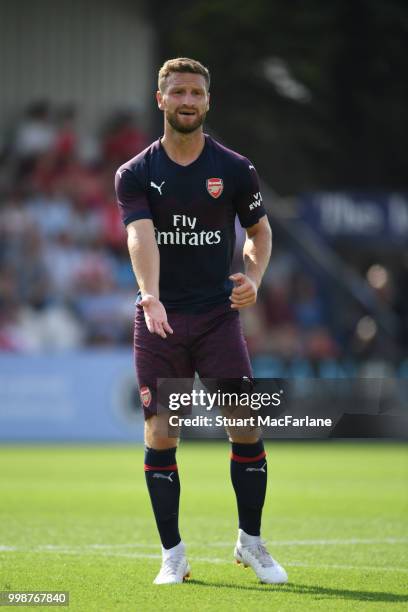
(178, 199)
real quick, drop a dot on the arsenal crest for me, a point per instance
(215, 187)
(145, 396)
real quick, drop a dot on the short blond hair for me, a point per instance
(182, 64)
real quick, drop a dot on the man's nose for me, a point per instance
(188, 99)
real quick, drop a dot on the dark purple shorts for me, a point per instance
(211, 344)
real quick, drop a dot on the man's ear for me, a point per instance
(208, 101)
(159, 99)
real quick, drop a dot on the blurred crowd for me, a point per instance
(302, 315)
(65, 279)
(65, 276)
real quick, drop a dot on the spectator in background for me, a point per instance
(15, 222)
(124, 139)
(36, 133)
(281, 333)
(50, 211)
(307, 307)
(310, 318)
(86, 223)
(33, 283)
(62, 259)
(106, 310)
(66, 139)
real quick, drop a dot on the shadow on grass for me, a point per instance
(305, 589)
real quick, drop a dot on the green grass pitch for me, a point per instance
(78, 519)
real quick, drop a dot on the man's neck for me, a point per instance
(183, 148)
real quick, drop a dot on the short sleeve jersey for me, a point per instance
(193, 209)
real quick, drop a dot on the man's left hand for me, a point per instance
(245, 291)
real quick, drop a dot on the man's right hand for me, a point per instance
(155, 316)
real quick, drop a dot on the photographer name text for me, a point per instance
(253, 421)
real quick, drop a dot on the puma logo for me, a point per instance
(160, 475)
(158, 187)
(261, 469)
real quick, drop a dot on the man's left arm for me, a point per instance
(257, 252)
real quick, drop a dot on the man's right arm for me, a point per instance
(145, 258)
(144, 255)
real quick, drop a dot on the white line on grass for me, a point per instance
(331, 542)
(92, 550)
(273, 543)
(229, 561)
(368, 568)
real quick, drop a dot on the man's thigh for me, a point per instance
(157, 357)
(219, 349)
(221, 359)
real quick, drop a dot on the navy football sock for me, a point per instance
(249, 475)
(164, 489)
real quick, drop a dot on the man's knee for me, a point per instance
(247, 433)
(157, 433)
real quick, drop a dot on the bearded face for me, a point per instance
(185, 120)
(185, 101)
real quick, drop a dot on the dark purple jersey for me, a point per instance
(193, 210)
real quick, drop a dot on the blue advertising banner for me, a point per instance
(78, 396)
(357, 215)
